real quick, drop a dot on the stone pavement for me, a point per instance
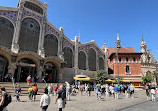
(82, 103)
(144, 106)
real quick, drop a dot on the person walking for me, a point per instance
(116, 89)
(55, 90)
(30, 93)
(5, 99)
(81, 89)
(45, 100)
(68, 92)
(99, 93)
(107, 90)
(86, 90)
(147, 92)
(152, 94)
(28, 80)
(35, 90)
(18, 92)
(60, 98)
(50, 89)
(131, 88)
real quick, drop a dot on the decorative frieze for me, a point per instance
(66, 43)
(50, 30)
(27, 14)
(12, 15)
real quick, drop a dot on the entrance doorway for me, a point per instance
(3, 67)
(25, 68)
(50, 72)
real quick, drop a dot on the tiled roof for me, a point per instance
(121, 50)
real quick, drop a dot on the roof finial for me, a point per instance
(142, 38)
(118, 36)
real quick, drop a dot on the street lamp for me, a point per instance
(117, 63)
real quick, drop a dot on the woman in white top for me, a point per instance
(45, 100)
(152, 94)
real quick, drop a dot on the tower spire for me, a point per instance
(118, 41)
(142, 38)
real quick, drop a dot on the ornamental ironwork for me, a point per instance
(82, 60)
(51, 45)
(33, 7)
(6, 32)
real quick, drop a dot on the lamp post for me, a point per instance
(117, 65)
(117, 62)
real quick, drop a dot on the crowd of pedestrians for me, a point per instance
(114, 90)
(64, 92)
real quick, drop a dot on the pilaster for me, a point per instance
(41, 51)
(15, 46)
(76, 55)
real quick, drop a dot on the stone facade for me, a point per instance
(59, 66)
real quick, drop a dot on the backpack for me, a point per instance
(55, 88)
(63, 95)
(8, 99)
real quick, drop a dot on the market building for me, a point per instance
(31, 45)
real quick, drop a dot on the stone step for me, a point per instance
(24, 87)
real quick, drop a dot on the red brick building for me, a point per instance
(129, 64)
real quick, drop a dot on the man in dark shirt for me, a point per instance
(3, 96)
(61, 98)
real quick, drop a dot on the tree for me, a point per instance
(146, 79)
(101, 76)
(155, 73)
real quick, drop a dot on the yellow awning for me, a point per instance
(109, 80)
(131, 80)
(82, 78)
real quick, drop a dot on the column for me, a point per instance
(60, 45)
(41, 51)
(76, 55)
(15, 46)
(40, 70)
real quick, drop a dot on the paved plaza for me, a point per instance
(83, 103)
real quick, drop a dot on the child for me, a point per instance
(30, 93)
(99, 94)
(18, 92)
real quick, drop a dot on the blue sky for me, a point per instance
(101, 20)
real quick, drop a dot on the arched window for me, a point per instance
(123, 59)
(82, 60)
(126, 59)
(92, 60)
(6, 32)
(50, 45)
(101, 63)
(119, 59)
(68, 57)
(137, 59)
(29, 35)
(134, 59)
(127, 69)
(130, 59)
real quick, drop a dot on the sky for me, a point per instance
(101, 20)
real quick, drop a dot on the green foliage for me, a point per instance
(155, 73)
(147, 79)
(101, 76)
